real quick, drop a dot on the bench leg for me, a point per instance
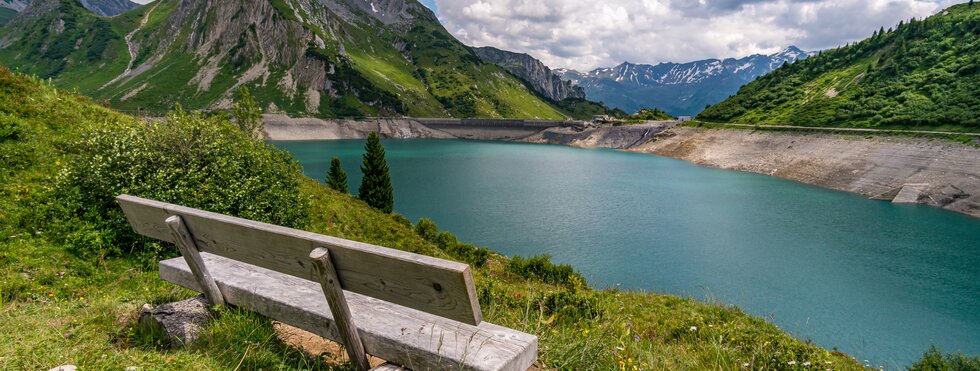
(188, 248)
(338, 306)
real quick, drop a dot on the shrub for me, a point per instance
(10, 127)
(935, 360)
(190, 160)
(426, 229)
(447, 242)
(247, 113)
(540, 267)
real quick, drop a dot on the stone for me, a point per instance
(182, 322)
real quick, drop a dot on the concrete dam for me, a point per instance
(281, 127)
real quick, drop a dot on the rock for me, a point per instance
(64, 368)
(182, 321)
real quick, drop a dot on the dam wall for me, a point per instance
(281, 127)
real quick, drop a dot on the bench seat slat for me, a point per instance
(415, 339)
(416, 281)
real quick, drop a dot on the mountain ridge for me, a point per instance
(541, 77)
(682, 89)
(325, 58)
(106, 8)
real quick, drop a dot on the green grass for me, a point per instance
(58, 307)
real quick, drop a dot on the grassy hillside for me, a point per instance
(923, 74)
(300, 57)
(72, 274)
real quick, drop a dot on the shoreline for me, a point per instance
(899, 169)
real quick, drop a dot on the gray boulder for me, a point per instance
(182, 322)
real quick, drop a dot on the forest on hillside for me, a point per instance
(923, 73)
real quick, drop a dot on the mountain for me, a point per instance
(109, 7)
(926, 73)
(539, 76)
(325, 58)
(9, 8)
(682, 89)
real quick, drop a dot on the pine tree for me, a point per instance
(376, 187)
(336, 177)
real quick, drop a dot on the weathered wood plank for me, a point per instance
(185, 243)
(420, 282)
(414, 339)
(338, 307)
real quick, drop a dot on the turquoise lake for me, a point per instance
(876, 280)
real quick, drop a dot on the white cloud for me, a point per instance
(584, 34)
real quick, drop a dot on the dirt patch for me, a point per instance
(315, 346)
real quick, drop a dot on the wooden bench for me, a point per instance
(414, 311)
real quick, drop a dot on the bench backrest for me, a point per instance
(428, 284)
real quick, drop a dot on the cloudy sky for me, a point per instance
(584, 34)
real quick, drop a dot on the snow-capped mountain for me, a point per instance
(682, 89)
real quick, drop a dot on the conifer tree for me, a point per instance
(336, 177)
(376, 187)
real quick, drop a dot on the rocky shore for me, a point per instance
(929, 171)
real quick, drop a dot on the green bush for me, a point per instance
(541, 267)
(447, 242)
(10, 128)
(426, 229)
(935, 360)
(189, 159)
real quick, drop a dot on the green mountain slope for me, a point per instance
(923, 74)
(334, 58)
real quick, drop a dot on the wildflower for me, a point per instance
(806, 364)
(694, 328)
(746, 364)
(791, 363)
(636, 337)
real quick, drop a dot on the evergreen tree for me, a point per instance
(336, 177)
(247, 112)
(376, 187)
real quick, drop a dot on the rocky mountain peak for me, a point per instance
(683, 89)
(541, 78)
